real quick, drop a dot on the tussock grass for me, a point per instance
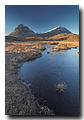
(60, 87)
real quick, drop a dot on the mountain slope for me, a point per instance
(53, 32)
(22, 31)
(59, 30)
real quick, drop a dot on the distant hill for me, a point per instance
(22, 31)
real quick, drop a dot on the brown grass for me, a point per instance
(74, 38)
(65, 45)
(59, 37)
(22, 47)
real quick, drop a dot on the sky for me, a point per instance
(42, 18)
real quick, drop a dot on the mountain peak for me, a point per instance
(58, 30)
(22, 31)
(59, 27)
(21, 25)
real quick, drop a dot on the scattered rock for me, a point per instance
(48, 52)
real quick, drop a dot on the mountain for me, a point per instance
(22, 31)
(59, 30)
(55, 31)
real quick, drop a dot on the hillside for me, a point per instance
(61, 36)
(74, 38)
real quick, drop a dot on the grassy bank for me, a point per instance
(19, 99)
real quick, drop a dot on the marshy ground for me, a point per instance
(19, 99)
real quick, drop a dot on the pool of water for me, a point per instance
(52, 69)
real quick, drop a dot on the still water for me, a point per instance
(52, 69)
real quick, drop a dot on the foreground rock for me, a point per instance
(19, 99)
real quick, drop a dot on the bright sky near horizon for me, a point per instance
(42, 18)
